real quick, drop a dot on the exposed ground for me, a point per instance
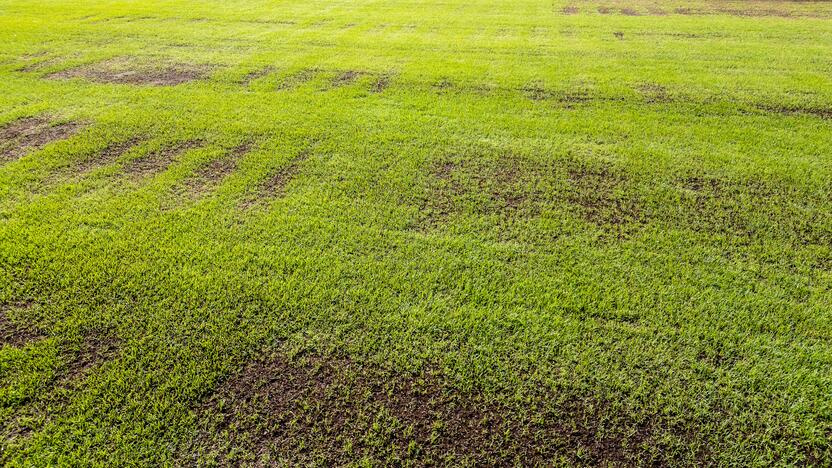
(581, 233)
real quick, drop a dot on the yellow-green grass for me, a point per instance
(604, 224)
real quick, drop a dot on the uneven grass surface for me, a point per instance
(479, 232)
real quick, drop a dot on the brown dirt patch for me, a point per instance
(654, 93)
(443, 85)
(537, 92)
(108, 155)
(381, 84)
(211, 174)
(159, 160)
(333, 411)
(32, 133)
(570, 99)
(753, 13)
(96, 348)
(602, 197)
(256, 74)
(126, 71)
(605, 10)
(748, 210)
(13, 333)
(629, 12)
(275, 185)
(821, 112)
(297, 79)
(484, 187)
(570, 10)
(440, 202)
(346, 78)
(39, 65)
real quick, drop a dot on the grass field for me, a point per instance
(442, 232)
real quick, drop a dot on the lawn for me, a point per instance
(448, 232)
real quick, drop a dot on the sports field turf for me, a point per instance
(396, 232)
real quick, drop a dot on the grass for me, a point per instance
(585, 233)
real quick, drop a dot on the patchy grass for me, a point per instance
(260, 233)
(126, 70)
(32, 133)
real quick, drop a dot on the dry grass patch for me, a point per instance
(654, 93)
(129, 71)
(347, 78)
(380, 84)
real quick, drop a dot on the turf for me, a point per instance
(442, 232)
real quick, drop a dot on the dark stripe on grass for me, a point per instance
(275, 185)
(211, 174)
(159, 160)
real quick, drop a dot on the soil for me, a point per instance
(15, 334)
(333, 411)
(127, 71)
(32, 133)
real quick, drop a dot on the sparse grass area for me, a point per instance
(582, 233)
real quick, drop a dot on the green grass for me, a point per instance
(616, 224)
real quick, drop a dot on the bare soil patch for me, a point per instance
(570, 10)
(128, 71)
(536, 91)
(746, 12)
(108, 155)
(347, 78)
(211, 174)
(654, 93)
(629, 12)
(256, 74)
(13, 333)
(484, 187)
(297, 79)
(381, 84)
(440, 202)
(96, 348)
(748, 210)
(570, 99)
(333, 411)
(159, 160)
(275, 185)
(821, 112)
(32, 133)
(603, 198)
